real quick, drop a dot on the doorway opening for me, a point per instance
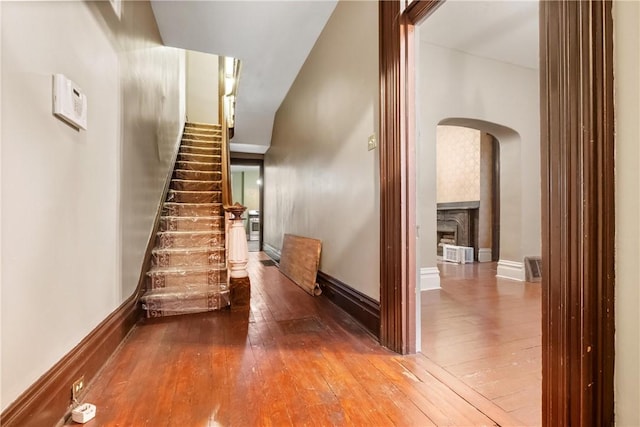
(479, 320)
(246, 183)
(467, 191)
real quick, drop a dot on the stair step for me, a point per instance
(202, 131)
(168, 302)
(191, 223)
(214, 126)
(195, 185)
(189, 239)
(199, 166)
(188, 278)
(192, 209)
(194, 196)
(183, 257)
(195, 136)
(191, 149)
(201, 158)
(202, 143)
(197, 175)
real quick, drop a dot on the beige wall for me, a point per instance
(458, 164)
(78, 207)
(252, 190)
(202, 87)
(455, 88)
(320, 180)
(627, 105)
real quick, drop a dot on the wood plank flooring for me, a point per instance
(486, 333)
(292, 360)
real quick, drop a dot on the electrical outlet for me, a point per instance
(77, 388)
(373, 143)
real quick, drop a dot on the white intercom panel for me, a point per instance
(69, 103)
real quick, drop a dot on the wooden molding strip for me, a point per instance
(48, 399)
(47, 402)
(358, 305)
(361, 307)
(577, 155)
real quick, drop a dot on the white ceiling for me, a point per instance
(504, 30)
(274, 38)
(271, 38)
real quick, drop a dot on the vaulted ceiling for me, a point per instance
(274, 38)
(271, 38)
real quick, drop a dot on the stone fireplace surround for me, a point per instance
(460, 220)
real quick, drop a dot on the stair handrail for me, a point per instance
(227, 196)
(235, 241)
(228, 77)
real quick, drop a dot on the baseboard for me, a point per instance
(271, 251)
(362, 308)
(511, 270)
(47, 401)
(484, 254)
(429, 278)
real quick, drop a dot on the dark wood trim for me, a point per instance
(418, 11)
(237, 156)
(397, 173)
(577, 144)
(362, 308)
(48, 400)
(495, 201)
(393, 325)
(578, 212)
(254, 161)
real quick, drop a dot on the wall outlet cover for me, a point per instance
(373, 142)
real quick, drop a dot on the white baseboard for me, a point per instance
(429, 278)
(484, 254)
(511, 270)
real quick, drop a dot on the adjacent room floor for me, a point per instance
(486, 332)
(293, 359)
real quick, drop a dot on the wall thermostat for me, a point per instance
(69, 103)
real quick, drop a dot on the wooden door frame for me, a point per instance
(577, 165)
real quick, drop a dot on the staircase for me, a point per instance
(188, 271)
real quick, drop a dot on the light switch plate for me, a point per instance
(373, 142)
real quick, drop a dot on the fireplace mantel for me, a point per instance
(459, 205)
(458, 220)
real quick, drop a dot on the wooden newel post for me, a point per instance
(237, 259)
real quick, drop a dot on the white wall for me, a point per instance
(202, 87)
(627, 105)
(453, 84)
(78, 207)
(320, 180)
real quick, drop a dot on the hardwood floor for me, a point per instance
(486, 332)
(292, 360)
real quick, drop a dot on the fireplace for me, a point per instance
(457, 224)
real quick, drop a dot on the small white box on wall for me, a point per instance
(69, 102)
